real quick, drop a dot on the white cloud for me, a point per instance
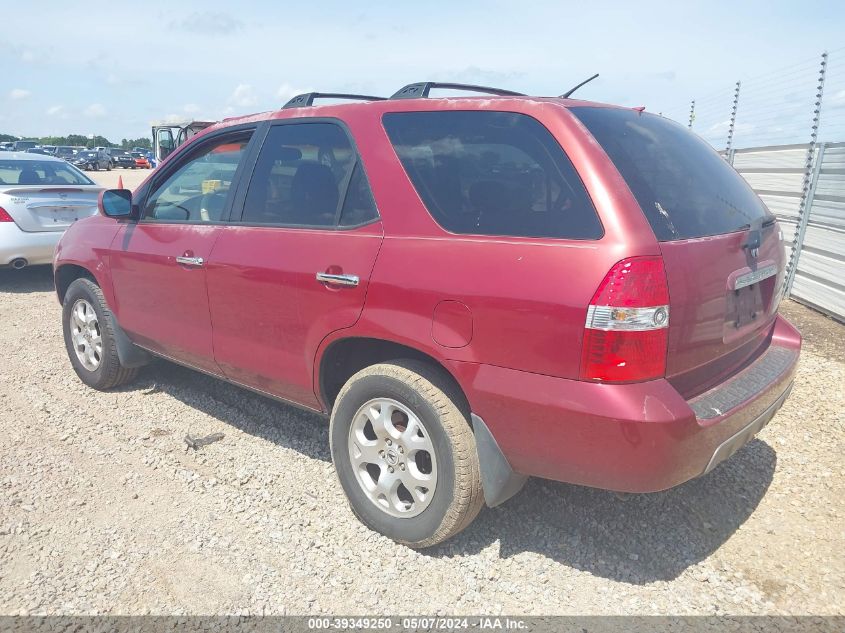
(836, 100)
(286, 91)
(170, 119)
(95, 111)
(57, 111)
(243, 96)
(208, 23)
(17, 94)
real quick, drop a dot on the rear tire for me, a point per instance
(88, 329)
(426, 433)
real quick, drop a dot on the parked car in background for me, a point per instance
(92, 159)
(141, 160)
(22, 146)
(38, 150)
(122, 158)
(65, 151)
(40, 196)
(476, 290)
(6, 146)
(50, 149)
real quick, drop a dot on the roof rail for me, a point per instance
(307, 99)
(420, 90)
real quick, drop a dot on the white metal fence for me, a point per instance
(813, 224)
(782, 132)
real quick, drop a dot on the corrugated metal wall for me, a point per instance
(820, 275)
(777, 175)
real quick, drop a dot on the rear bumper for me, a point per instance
(35, 248)
(639, 437)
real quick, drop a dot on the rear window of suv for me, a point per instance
(492, 173)
(685, 189)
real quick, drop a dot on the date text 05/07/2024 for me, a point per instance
(414, 623)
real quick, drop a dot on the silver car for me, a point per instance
(40, 196)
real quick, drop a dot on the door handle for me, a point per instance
(190, 261)
(338, 280)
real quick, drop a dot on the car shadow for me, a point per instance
(260, 416)
(632, 538)
(29, 279)
(629, 538)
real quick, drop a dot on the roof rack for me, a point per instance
(307, 99)
(420, 90)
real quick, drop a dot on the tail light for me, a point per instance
(4, 216)
(627, 330)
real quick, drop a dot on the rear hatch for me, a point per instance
(721, 247)
(38, 209)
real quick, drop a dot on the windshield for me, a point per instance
(685, 189)
(36, 172)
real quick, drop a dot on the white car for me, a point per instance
(40, 196)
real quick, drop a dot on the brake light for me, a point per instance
(627, 330)
(4, 216)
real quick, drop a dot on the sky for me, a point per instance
(111, 68)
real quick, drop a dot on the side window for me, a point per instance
(197, 191)
(301, 173)
(492, 173)
(359, 206)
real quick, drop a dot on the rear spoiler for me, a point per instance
(52, 189)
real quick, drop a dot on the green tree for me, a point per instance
(129, 143)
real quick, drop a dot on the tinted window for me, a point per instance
(683, 186)
(199, 188)
(359, 206)
(300, 175)
(35, 172)
(492, 173)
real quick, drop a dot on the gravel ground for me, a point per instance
(102, 510)
(131, 177)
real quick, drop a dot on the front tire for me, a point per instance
(88, 329)
(405, 453)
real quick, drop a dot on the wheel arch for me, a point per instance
(65, 274)
(341, 358)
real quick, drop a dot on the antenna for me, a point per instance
(569, 92)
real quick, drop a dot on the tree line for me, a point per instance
(78, 140)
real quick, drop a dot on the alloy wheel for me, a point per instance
(393, 457)
(86, 335)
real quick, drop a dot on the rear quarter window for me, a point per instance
(685, 189)
(492, 173)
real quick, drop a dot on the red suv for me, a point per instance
(475, 289)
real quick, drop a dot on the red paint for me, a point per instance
(637, 437)
(451, 325)
(703, 348)
(504, 315)
(161, 304)
(270, 312)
